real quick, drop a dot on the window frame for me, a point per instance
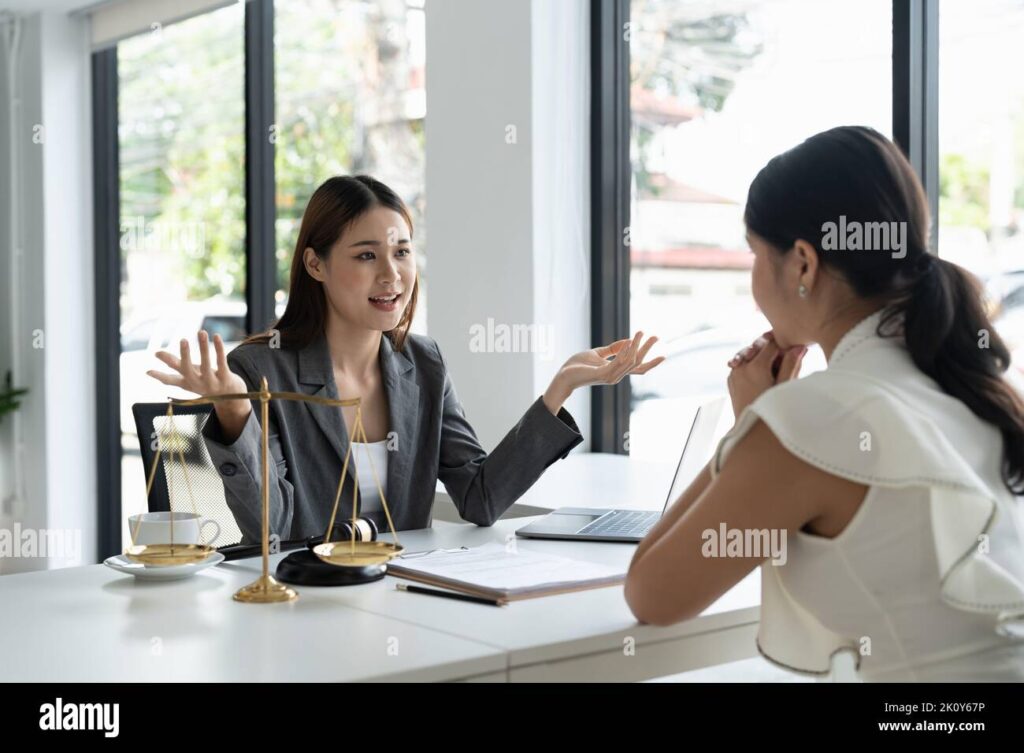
(107, 267)
(610, 180)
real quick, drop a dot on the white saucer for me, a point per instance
(172, 572)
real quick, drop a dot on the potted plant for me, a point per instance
(9, 397)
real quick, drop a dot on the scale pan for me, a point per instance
(359, 554)
(165, 555)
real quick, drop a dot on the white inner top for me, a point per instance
(369, 497)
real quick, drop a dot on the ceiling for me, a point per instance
(59, 6)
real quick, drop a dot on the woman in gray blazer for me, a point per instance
(345, 331)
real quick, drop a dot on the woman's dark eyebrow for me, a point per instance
(376, 243)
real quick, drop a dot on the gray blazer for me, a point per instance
(433, 440)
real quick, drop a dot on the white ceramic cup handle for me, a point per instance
(215, 536)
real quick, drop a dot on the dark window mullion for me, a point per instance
(610, 211)
(915, 92)
(260, 205)
(107, 268)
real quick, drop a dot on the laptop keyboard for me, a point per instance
(622, 524)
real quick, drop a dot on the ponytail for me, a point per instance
(950, 338)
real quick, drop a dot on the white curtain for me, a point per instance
(11, 476)
(561, 178)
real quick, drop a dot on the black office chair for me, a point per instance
(171, 482)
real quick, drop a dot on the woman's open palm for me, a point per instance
(205, 379)
(609, 364)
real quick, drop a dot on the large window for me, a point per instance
(181, 140)
(716, 90)
(350, 98)
(981, 146)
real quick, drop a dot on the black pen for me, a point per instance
(450, 595)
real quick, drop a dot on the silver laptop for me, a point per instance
(596, 524)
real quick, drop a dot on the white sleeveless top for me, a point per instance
(926, 582)
(365, 453)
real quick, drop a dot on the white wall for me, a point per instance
(48, 307)
(509, 229)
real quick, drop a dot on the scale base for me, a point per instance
(266, 590)
(304, 568)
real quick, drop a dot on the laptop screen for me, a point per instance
(700, 443)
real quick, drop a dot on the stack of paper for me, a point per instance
(499, 572)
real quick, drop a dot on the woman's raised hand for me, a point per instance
(205, 379)
(607, 364)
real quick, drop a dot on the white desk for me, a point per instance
(92, 624)
(579, 636)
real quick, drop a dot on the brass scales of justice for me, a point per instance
(266, 589)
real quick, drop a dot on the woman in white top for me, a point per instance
(890, 477)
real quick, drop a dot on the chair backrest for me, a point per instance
(177, 487)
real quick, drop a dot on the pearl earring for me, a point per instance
(802, 290)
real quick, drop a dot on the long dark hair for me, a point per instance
(936, 305)
(335, 204)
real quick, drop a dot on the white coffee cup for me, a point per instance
(155, 528)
